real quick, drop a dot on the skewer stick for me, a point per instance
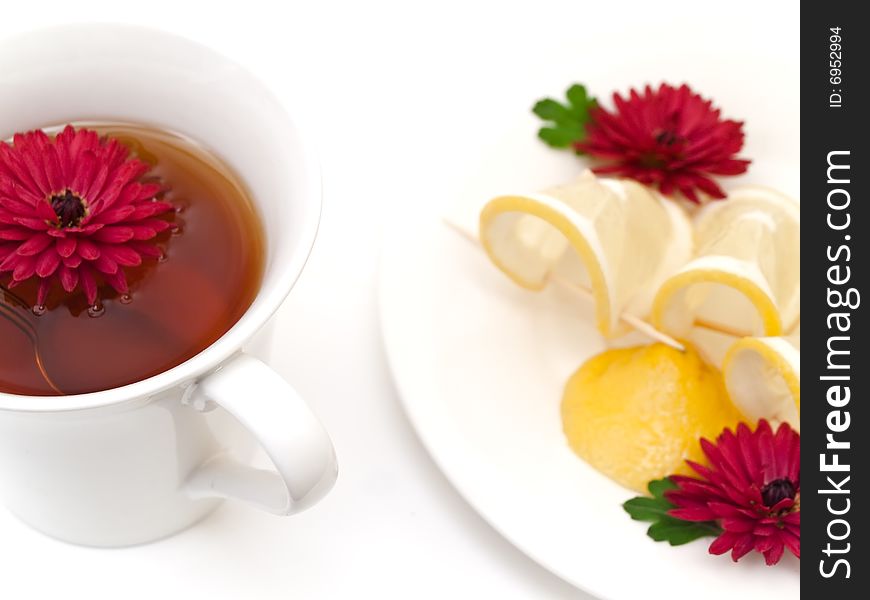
(720, 328)
(632, 321)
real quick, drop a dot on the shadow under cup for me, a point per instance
(108, 468)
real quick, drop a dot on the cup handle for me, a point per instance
(293, 438)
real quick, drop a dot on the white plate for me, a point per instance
(480, 365)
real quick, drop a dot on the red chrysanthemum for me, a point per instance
(671, 138)
(73, 209)
(751, 488)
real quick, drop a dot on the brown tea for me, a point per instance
(207, 275)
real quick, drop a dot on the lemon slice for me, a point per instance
(613, 237)
(763, 378)
(745, 277)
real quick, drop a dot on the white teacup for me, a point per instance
(140, 462)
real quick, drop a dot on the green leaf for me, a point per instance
(677, 532)
(565, 123)
(550, 110)
(558, 138)
(577, 96)
(658, 487)
(666, 528)
(647, 509)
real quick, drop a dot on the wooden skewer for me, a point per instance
(720, 328)
(632, 321)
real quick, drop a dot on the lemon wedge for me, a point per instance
(635, 414)
(615, 238)
(745, 277)
(763, 378)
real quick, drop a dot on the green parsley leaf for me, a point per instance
(666, 528)
(647, 509)
(566, 123)
(658, 487)
(677, 532)
(559, 138)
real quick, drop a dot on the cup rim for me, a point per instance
(268, 301)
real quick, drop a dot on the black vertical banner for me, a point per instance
(835, 420)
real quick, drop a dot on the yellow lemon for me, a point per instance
(745, 277)
(636, 414)
(613, 237)
(763, 377)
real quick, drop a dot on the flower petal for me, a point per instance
(149, 209)
(738, 524)
(47, 263)
(65, 246)
(693, 514)
(69, 278)
(143, 232)
(105, 265)
(11, 261)
(742, 547)
(15, 233)
(114, 215)
(72, 261)
(87, 249)
(34, 245)
(118, 281)
(114, 234)
(792, 542)
(772, 556)
(146, 250)
(25, 268)
(126, 173)
(88, 283)
(724, 542)
(31, 223)
(45, 212)
(42, 292)
(123, 255)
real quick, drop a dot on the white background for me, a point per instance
(402, 97)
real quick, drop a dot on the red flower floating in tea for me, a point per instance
(751, 488)
(74, 210)
(670, 137)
